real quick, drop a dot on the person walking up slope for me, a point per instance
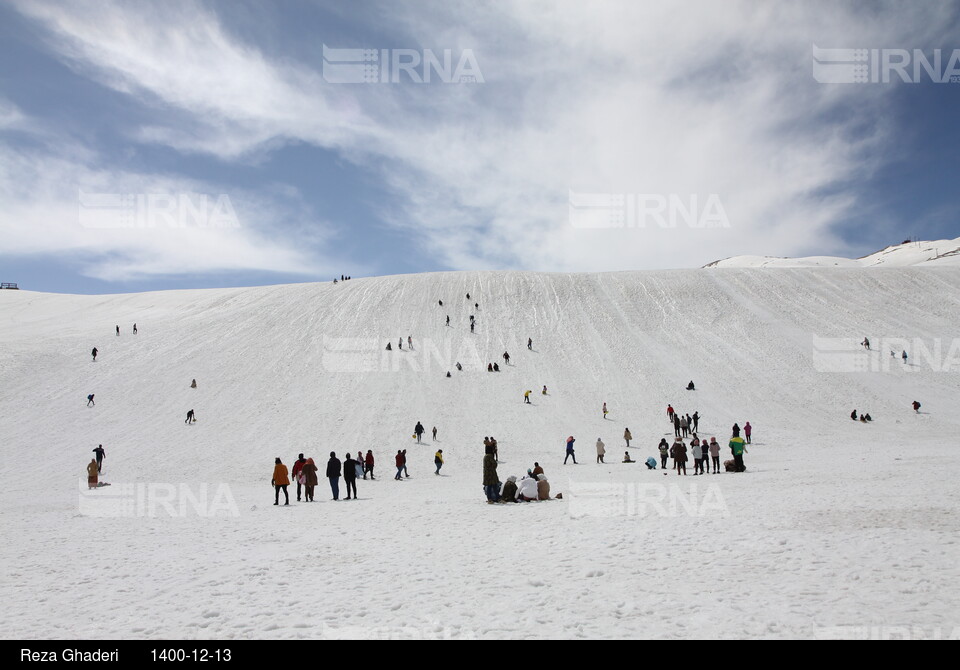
(281, 480)
(369, 463)
(747, 431)
(299, 478)
(570, 451)
(310, 479)
(90, 400)
(100, 453)
(438, 460)
(418, 431)
(601, 450)
(400, 461)
(627, 436)
(604, 410)
(94, 352)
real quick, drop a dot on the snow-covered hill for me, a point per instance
(836, 525)
(940, 253)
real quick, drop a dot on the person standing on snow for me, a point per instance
(100, 454)
(93, 474)
(715, 454)
(94, 352)
(409, 342)
(604, 410)
(544, 391)
(737, 447)
(118, 331)
(350, 476)
(627, 436)
(400, 460)
(736, 430)
(696, 422)
(747, 431)
(472, 324)
(526, 397)
(601, 450)
(866, 343)
(333, 474)
(90, 400)
(676, 425)
(664, 449)
(670, 413)
(368, 465)
(134, 329)
(491, 482)
(418, 431)
(438, 460)
(280, 480)
(295, 473)
(697, 457)
(570, 451)
(448, 319)
(904, 356)
(916, 406)
(434, 433)
(681, 457)
(530, 344)
(684, 426)
(506, 358)
(405, 473)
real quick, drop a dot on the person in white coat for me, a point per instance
(601, 450)
(527, 490)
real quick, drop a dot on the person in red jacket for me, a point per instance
(401, 461)
(297, 467)
(368, 462)
(670, 413)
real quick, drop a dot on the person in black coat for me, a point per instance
(350, 475)
(333, 474)
(736, 430)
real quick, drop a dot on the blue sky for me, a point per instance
(232, 103)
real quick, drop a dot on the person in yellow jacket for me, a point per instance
(281, 480)
(738, 447)
(438, 460)
(526, 396)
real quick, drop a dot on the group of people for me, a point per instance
(864, 418)
(342, 278)
(305, 475)
(702, 453)
(531, 487)
(683, 426)
(400, 344)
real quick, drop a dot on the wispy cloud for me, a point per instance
(624, 97)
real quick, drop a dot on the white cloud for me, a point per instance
(626, 97)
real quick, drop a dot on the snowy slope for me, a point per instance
(941, 253)
(836, 524)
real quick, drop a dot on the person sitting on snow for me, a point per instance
(626, 457)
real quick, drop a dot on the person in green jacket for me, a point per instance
(738, 446)
(491, 482)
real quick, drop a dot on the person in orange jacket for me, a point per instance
(280, 481)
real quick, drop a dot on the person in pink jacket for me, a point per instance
(747, 430)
